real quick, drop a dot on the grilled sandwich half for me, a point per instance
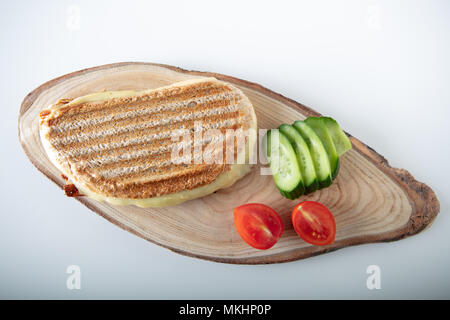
(151, 148)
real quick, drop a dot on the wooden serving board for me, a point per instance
(371, 201)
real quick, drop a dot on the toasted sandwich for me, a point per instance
(149, 148)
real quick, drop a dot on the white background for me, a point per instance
(381, 68)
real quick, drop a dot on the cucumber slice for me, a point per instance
(320, 128)
(318, 153)
(336, 172)
(340, 139)
(303, 157)
(283, 164)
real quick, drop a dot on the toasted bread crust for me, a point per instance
(121, 146)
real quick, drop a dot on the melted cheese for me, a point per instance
(105, 95)
(224, 180)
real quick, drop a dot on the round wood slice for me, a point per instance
(371, 201)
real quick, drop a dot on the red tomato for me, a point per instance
(314, 223)
(258, 225)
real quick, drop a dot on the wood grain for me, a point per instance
(371, 201)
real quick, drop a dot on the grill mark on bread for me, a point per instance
(87, 110)
(144, 135)
(166, 173)
(148, 171)
(120, 155)
(136, 124)
(165, 95)
(136, 163)
(140, 110)
(197, 177)
(152, 147)
(161, 160)
(145, 116)
(162, 155)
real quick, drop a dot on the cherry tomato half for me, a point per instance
(258, 225)
(314, 223)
